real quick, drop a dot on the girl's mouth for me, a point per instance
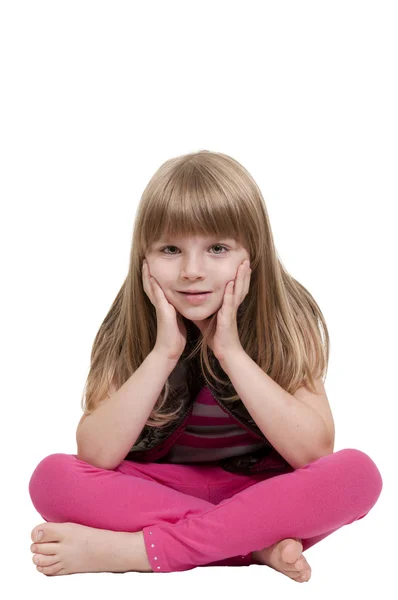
(195, 298)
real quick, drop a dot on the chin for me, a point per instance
(206, 318)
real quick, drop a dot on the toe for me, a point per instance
(43, 560)
(289, 551)
(305, 575)
(299, 568)
(300, 564)
(55, 569)
(36, 530)
(302, 576)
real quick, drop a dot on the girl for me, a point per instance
(207, 437)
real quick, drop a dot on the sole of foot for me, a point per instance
(286, 556)
(72, 548)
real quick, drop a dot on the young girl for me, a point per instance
(207, 437)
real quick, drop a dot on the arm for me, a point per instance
(105, 436)
(295, 430)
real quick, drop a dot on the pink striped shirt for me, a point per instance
(211, 434)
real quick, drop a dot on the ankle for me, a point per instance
(256, 557)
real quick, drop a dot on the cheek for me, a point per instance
(161, 275)
(164, 274)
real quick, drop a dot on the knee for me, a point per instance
(54, 463)
(46, 474)
(357, 458)
(363, 467)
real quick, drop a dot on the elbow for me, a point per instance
(98, 461)
(326, 446)
(323, 451)
(329, 445)
(95, 463)
(88, 460)
(93, 460)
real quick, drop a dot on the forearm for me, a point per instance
(296, 431)
(108, 433)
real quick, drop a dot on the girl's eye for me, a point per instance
(214, 246)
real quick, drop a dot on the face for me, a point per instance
(199, 263)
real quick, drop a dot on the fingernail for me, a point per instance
(39, 536)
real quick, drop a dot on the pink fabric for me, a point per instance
(210, 434)
(195, 515)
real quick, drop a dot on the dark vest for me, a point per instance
(186, 381)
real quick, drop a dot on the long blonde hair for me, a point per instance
(280, 324)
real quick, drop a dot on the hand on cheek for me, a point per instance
(226, 338)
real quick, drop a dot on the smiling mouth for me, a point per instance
(195, 298)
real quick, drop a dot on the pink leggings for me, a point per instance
(201, 515)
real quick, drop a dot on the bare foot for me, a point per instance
(286, 556)
(72, 548)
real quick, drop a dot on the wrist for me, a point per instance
(163, 357)
(231, 357)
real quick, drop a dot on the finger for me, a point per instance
(247, 280)
(145, 271)
(241, 285)
(149, 284)
(154, 283)
(229, 294)
(157, 289)
(240, 281)
(249, 275)
(145, 275)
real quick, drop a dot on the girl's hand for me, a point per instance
(226, 338)
(171, 336)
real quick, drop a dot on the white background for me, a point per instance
(95, 96)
